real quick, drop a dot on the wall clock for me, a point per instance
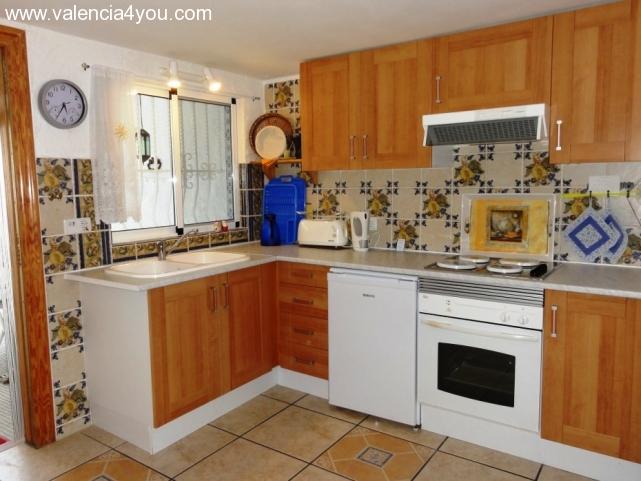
(62, 103)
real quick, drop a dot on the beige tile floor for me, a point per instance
(281, 435)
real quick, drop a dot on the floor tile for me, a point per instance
(300, 433)
(366, 455)
(246, 461)
(321, 405)
(496, 459)
(312, 473)
(247, 416)
(112, 466)
(103, 436)
(427, 438)
(444, 467)
(183, 454)
(284, 394)
(24, 463)
(552, 474)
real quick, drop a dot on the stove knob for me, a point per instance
(505, 317)
(524, 321)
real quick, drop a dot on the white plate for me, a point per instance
(519, 262)
(475, 259)
(271, 142)
(456, 264)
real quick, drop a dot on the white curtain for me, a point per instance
(113, 147)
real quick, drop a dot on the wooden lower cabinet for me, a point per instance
(592, 373)
(252, 316)
(189, 331)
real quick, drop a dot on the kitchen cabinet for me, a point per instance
(302, 310)
(592, 85)
(189, 330)
(252, 321)
(592, 373)
(494, 67)
(364, 110)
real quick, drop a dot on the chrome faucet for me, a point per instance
(164, 252)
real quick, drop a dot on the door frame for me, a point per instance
(24, 217)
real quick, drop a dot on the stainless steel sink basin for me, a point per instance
(208, 257)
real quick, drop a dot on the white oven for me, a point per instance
(479, 351)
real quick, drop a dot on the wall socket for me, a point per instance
(77, 226)
(373, 224)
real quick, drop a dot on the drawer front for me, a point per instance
(311, 301)
(304, 330)
(303, 274)
(307, 360)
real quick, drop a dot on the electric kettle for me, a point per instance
(360, 230)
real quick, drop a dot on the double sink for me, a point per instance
(175, 264)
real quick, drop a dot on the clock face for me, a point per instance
(62, 104)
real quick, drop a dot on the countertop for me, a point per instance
(584, 278)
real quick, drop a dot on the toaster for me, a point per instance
(323, 233)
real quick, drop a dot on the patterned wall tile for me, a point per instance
(60, 253)
(85, 208)
(468, 169)
(379, 203)
(503, 170)
(351, 200)
(72, 427)
(407, 178)
(435, 235)
(68, 366)
(65, 329)
(436, 178)
(53, 212)
(219, 238)
(328, 203)
(200, 241)
(62, 294)
(83, 176)
(407, 203)
(93, 251)
(71, 402)
(55, 177)
(123, 252)
(632, 255)
(238, 235)
(381, 237)
(146, 249)
(436, 204)
(408, 230)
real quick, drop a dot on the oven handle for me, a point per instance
(501, 335)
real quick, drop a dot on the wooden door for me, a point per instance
(395, 91)
(325, 104)
(592, 373)
(592, 84)
(188, 347)
(252, 321)
(494, 67)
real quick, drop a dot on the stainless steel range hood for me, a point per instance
(506, 124)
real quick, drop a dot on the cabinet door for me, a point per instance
(592, 84)
(252, 321)
(394, 95)
(188, 350)
(494, 67)
(325, 106)
(592, 373)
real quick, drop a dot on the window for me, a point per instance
(186, 164)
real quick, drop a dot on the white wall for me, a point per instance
(56, 55)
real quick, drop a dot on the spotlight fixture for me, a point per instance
(174, 81)
(213, 84)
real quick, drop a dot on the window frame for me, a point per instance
(153, 233)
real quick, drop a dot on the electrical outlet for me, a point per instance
(604, 183)
(400, 245)
(373, 224)
(77, 226)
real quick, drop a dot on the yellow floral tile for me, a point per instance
(112, 466)
(366, 455)
(65, 329)
(71, 402)
(60, 253)
(54, 177)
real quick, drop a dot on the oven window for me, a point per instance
(476, 373)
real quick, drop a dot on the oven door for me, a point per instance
(478, 369)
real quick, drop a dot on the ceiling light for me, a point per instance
(174, 81)
(214, 84)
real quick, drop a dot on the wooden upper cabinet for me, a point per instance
(252, 321)
(393, 96)
(325, 106)
(494, 67)
(592, 373)
(592, 85)
(189, 353)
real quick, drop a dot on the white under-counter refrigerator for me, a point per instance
(372, 343)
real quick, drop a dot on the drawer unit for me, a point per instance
(307, 360)
(304, 330)
(303, 274)
(310, 301)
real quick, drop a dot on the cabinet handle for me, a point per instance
(365, 147)
(352, 155)
(212, 299)
(438, 89)
(559, 123)
(226, 286)
(304, 274)
(304, 332)
(306, 302)
(307, 362)
(554, 309)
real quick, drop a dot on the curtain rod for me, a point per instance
(85, 66)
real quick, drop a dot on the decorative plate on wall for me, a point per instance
(267, 120)
(270, 142)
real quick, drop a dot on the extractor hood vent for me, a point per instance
(510, 124)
